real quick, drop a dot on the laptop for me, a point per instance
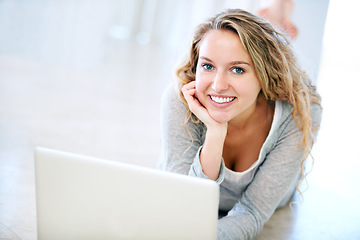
(80, 197)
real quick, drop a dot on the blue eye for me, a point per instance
(237, 70)
(207, 66)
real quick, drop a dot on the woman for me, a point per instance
(251, 116)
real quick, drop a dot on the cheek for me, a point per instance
(249, 88)
(201, 87)
(200, 83)
(257, 87)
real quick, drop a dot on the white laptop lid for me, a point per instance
(79, 197)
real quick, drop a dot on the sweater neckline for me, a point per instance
(276, 119)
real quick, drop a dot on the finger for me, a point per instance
(188, 92)
(189, 85)
(189, 96)
(194, 104)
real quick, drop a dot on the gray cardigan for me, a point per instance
(248, 198)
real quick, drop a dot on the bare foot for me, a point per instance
(279, 14)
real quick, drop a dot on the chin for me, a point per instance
(221, 118)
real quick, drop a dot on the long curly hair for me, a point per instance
(280, 75)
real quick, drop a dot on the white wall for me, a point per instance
(87, 33)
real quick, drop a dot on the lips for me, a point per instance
(222, 99)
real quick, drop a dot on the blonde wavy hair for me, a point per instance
(280, 76)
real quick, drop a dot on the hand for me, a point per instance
(189, 91)
(211, 153)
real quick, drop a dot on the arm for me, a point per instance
(275, 178)
(179, 153)
(211, 154)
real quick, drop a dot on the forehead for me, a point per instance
(223, 45)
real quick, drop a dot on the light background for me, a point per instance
(87, 77)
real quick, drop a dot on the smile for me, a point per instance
(221, 99)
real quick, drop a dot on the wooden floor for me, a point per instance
(111, 111)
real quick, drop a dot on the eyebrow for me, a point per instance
(232, 63)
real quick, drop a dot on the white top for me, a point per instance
(239, 180)
(248, 198)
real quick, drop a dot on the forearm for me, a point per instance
(211, 153)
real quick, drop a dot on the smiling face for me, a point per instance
(226, 81)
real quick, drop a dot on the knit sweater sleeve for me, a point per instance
(181, 149)
(274, 178)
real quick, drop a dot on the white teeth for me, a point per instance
(222, 100)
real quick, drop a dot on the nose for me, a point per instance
(220, 83)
